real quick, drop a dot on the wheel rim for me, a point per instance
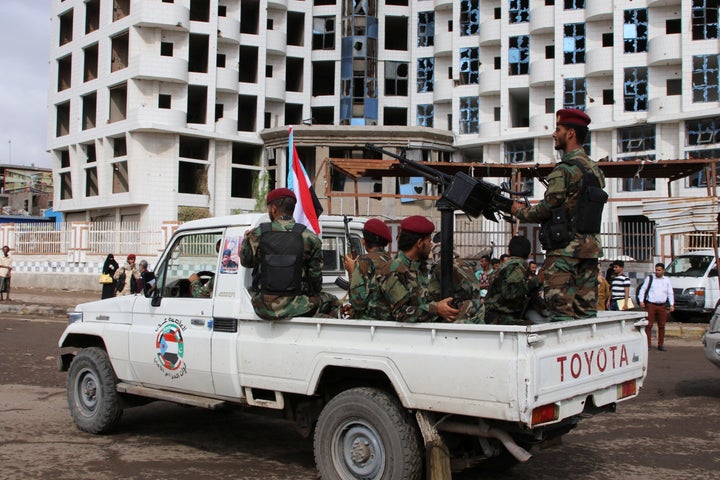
(359, 448)
(87, 392)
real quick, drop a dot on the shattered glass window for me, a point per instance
(425, 74)
(574, 93)
(635, 89)
(519, 55)
(469, 17)
(469, 112)
(705, 78)
(705, 19)
(469, 65)
(575, 4)
(519, 11)
(636, 143)
(426, 29)
(574, 43)
(702, 131)
(635, 30)
(425, 113)
(520, 151)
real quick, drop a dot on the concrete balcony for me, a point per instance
(227, 80)
(443, 45)
(490, 33)
(157, 118)
(665, 50)
(663, 3)
(598, 10)
(600, 114)
(279, 4)
(489, 82)
(542, 72)
(659, 107)
(276, 42)
(275, 89)
(443, 4)
(443, 91)
(156, 67)
(226, 126)
(168, 16)
(543, 123)
(599, 62)
(228, 30)
(542, 19)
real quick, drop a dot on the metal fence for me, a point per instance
(473, 237)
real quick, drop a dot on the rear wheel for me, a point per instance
(94, 403)
(364, 433)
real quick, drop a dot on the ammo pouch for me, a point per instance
(556, 232)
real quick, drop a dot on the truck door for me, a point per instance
(171, 332)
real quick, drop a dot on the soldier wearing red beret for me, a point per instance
(404, 282)
(570, 215)
(364, 294)
(284, 289)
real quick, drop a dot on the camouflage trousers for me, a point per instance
(570, 287)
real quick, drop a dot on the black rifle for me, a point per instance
(350, 249)
(472, 195)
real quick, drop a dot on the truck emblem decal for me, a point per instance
(170, 349)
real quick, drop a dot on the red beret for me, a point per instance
(379, 228)
(279, 193)
(417, 224)
(131, 256)
(573, 117)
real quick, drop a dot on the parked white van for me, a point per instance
(694, 277)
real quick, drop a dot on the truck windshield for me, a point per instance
(689, 266)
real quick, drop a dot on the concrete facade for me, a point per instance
(156, 106)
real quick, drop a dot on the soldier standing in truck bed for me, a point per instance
(570, 215)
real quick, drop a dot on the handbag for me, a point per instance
(105, 279)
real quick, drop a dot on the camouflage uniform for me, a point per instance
(466, 289)
(364, 294)
(200, 290)
(275, 307)
(403, 285)
(570, 284)
(508, 293)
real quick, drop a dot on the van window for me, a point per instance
(689, 266)
(333, 248)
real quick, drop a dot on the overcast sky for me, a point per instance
(24, 49)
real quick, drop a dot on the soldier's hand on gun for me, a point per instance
(515, 207)
(349, 263)
(446, 311)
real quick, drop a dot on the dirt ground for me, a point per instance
(669, 431)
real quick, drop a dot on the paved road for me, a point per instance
(669, 432)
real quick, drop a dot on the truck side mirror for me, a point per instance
(156, 298)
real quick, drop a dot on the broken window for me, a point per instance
(469, 115)
(65, 186)
(425, 74)
(574, 43)
(705, 78)
(574, 93)
(91, 182)
(702, 132)
(323, 33)
(705, 19)
(469, 65)
(64, 73)
(635, 30)
(66, 27)
(469, 17)
(121, 9)
(700, 179)
(520, 151)
(90, 71)
(426, 29)
(424, 116)
(396, 78)
(635, 89)
(120, 47)
(92, 15)
(197, 104)
(192, 178)
(62, 120)
(637, 143)
(519, 11)
(120, 183)
(519, 55)
(89, 110)
(575, 4)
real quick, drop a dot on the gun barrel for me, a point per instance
(418, 168)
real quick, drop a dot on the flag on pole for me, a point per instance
(307, 208)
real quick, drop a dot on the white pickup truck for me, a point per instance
(374, 393)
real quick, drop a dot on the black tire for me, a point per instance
(364, 433)
(94, 403)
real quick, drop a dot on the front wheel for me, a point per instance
(364, 433)
(94, 403)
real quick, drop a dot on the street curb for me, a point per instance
(25, 309)
(685, 331)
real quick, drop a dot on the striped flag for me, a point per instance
(307, 208)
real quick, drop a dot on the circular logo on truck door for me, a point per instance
(169, 344)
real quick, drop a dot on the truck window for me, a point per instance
(194, 253)
(689, 266)
(334, 247)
